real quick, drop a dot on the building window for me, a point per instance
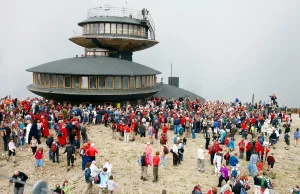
(60, 81)
(96, 29)
(93, 82)
(47, 79)
(143, 32)
(101, 82)
(135, 30)
(125, 82)
(117, 82)
(53, 81)
(84, 82)
(67, 82)
(113, 28)
(42, 79)
(131, 30)
(107, 28)
(151, 83)
(138, 82)
(139, 31)
(39, 79)
(125, 28)
(109, 82)
(144, 82)
(101, 28)
(76, 81)
(119, 28)
(132, 84)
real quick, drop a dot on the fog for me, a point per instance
(220, 49)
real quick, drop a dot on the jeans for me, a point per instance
(50, 154)
(84, 161)
(193, 134)
(176, 129)
(162, 160)
(55, 155)
(19, 190)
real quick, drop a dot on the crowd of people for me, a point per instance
(30, 121)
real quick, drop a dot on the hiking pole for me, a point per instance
(40, 187)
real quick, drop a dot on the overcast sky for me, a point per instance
(219, 49)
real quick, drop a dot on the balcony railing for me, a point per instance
(97, 33)
(104, 11)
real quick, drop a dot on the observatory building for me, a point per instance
(105, 72)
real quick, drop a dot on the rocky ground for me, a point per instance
(176, 180)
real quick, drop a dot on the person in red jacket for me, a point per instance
(165, 130)
(242, 148)
(39, 158)
(257, 148)
(156, 161)
(248, 150)
(126, 133)
(91, 152)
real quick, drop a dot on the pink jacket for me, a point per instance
(148, 149)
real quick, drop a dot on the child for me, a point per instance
(231, 145)
(260, 165)
(66, 187)
(39, 158)
(267, 152)
(21, 136)
(111, 185)
(262, 152)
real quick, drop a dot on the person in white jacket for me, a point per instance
(217, 163)
(94, 169)
(200, 159)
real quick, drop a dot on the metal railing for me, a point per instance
(106, 10)
(99, 33)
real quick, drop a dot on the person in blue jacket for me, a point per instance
(233, 161)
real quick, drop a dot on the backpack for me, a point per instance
(163, 140)
(3, 133)
(97, 179)
(264, 183)
(187, 124)
(181, 131)
(87, 175)
(139, 161)
(48, 141)
(142, 129)
(166, 150)
(113, 127)
(243, 191)
(73, 131)
(286, 137)
(175, 140)
(280, 131)
(53, 147)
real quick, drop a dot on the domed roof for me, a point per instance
(94, 66)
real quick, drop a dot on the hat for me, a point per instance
(92, 145)
(148, 142)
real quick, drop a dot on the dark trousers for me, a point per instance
(70, 160)
(5, 143)
(212, 155)
(33, 149)
(55, 155)
(105, 123)
(156, 134)
(207, 143)
(248, 155)
(175, 159)
(155, 173)
(221, 178)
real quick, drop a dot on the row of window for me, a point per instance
(93, 82)
(114, 28)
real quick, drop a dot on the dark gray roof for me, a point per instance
(94, 66)
(104, 92)
(111, 19)
(169, 91)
